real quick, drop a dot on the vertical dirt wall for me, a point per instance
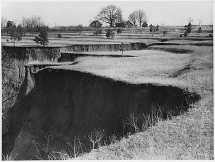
(13, 72)
(14, 59)
(103, 47)
(67, 105)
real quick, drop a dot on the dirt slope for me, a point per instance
(13, 71)
(66, 104)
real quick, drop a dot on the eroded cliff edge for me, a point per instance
(68, 104)
(13, 71)
(15, 58)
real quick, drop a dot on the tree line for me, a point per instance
(27, 25)
(109, 14)
(112, 14)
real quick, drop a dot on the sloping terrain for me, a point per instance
(15, 58)
(60, 106)
(188, 136)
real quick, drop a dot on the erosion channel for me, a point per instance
(56, 108)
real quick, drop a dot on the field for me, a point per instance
(171, 60)
(128, 35)
(188, 136)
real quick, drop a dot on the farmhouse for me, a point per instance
(96, 24)
(124, 24)
(129, 24)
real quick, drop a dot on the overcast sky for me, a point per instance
(70, 12)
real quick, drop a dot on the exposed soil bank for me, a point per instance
(73, 56)
(15, 58)
(59, 106)
(202, 43)
(172, 50)
(103, 47)
(13, 72)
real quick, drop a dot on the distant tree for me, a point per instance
(90, 21)
(119, 16)
(16, 34)
(164, 33)
(157, 28)
(119, 30)
(79, 28)
(199, 30)
(42, 38)
(97, 31)
(32, 24)
(3, 25)
(3, 22)
(189, 27)
(200, 21)
(190, 19)
(26, 22)
(185, 33)
(151, 28)
(59, 36)
(110, 15)
(19, 29)
(144, 24)
(132, 18)
(140, 16)
(10, 26)
(110, 33)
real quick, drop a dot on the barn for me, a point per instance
(95, 24)
(129, 24)
(124, 24)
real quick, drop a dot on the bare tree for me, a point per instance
(110, 15)
(140, 16)
(26, 22)
(190, 19)
(23, 22)
(119, 16)
(32, 23)
(79, 28)
(132, 18)
(3, 22)
(16, 34)
(200, 21)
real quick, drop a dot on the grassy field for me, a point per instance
(183, 62)
(188, 136)
(127, 36)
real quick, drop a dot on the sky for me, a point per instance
(71, 12)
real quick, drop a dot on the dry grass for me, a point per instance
(189, 136)
(186, 137)
(146, 67)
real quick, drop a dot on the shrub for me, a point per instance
(189, 27)
(97, 31)
(110, 34)
(42, 38)
(119, 31)
(59, 35)
(199, 30)
(185, 33)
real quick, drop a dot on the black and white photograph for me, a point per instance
(107, 80)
